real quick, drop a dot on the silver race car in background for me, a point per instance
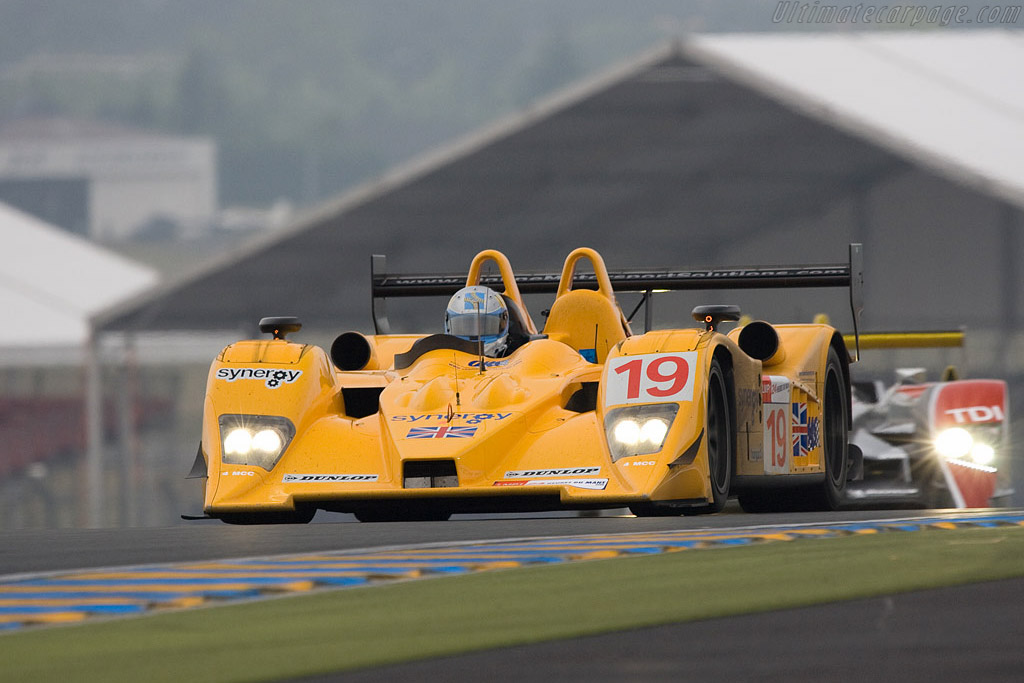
(930, 444)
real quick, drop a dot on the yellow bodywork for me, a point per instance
(522, 432)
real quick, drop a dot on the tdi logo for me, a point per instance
(977, 414)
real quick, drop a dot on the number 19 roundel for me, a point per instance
(650, 378)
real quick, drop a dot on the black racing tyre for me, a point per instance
(719, 434)
(834, 437)
(303, 515)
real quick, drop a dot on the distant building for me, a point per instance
(104, 181)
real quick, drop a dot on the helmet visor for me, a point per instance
(473, 326)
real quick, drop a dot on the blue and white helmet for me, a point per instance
(476, 313)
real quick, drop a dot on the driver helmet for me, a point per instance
(476, 313)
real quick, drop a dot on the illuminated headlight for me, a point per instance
(255, 440)
(958, 443)
(954, 442)
(983, 454)
(638, 430)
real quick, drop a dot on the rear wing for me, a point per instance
(910, 340)
(849, 274)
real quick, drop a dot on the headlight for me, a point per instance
(983, 454)
(954, 442)
(638, 430)
(255, 440)
(959, 443)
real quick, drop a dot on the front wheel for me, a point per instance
(718, 427)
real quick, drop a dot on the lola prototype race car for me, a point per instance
(582, 414)
(932, 444)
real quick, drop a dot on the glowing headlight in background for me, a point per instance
(955, 442)
(958, 443)
(983, 454)
(255, 440)
(638, 430)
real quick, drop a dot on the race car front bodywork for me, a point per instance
(583, 415)
(930, 443)
(934, 444)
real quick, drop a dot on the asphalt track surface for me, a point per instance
(31, 551)
(971, 632)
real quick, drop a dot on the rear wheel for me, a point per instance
(835, 434)
(835, 427)
(830, 494)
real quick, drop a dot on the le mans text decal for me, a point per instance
(575, 482)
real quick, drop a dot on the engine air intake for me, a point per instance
(429, 474)
(760, 340)
(351, 351)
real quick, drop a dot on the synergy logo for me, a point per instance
(469, 418)
(273, 377)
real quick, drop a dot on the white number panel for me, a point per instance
(650, 378)
(776, 438)
(778, 446)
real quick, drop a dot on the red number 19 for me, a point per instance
(678, 376)
(777, 435)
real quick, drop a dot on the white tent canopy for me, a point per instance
(949, 100)
(52, 282)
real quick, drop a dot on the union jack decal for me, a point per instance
(805, 432)
(443, 432)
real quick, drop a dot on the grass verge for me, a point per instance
(355, 628)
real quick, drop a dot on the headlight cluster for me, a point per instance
(255, 440)
(638, 430)
(958, 443)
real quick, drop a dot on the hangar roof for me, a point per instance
(704, 142)
(946, 99)
(51, 282)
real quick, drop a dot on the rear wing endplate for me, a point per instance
(849, 274)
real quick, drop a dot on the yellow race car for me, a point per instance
(497, 415)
